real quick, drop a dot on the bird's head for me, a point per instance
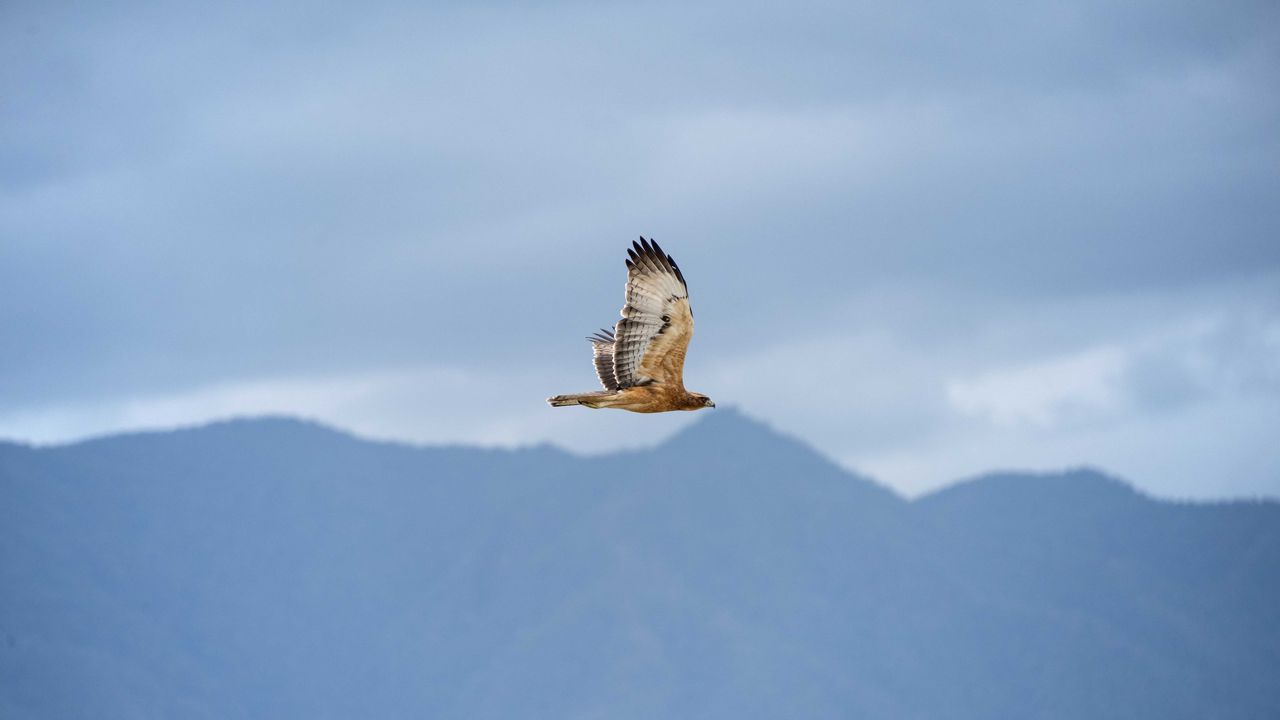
(700, 401)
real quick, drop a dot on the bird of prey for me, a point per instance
(641, 362)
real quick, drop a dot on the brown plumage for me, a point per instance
(641, 361)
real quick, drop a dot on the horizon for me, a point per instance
(656, 444)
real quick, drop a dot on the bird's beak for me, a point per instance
(710, 404)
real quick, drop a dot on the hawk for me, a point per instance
(641, 362)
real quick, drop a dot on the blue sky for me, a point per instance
(931, 239)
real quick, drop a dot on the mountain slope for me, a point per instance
(277, 568)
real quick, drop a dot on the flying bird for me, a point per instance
(641, 361)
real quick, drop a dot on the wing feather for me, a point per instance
(602, 356)
(657, 322)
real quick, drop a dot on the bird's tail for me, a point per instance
(576, 399)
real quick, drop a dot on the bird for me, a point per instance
(641, 361)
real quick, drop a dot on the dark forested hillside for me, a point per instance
(275, 568)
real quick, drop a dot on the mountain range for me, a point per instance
(270, 568)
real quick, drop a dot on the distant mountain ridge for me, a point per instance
(276, 567)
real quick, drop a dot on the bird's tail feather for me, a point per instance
(575, 399)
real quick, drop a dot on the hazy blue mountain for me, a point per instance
(275, 568)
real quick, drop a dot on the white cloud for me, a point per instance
(1181, 409)
(417, 404)
(430, 405)
(1046, 393)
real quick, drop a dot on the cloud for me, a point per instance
(430, 405)
(909, 230)
(373, 403)
(1175, 361)
(1180, 406)
(1044, 394)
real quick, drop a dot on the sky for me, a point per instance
(931, 239)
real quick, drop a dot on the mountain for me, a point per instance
(277, 568)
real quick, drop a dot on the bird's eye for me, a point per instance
(666, 318)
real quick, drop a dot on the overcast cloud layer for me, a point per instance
(930, 239)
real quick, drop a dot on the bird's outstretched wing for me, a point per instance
(653, 335)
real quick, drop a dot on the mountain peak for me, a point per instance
(237, 427)
(742, 443)
(729, 428)
(1078, 490)
(727, 420)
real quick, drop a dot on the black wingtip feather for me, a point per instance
(679, 274)
(661, 257)
(647, 254)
